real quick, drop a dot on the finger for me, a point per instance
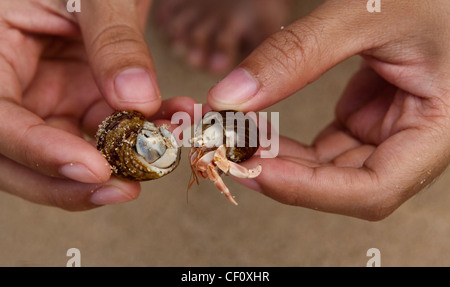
(362, 88)
(61, 88)
(68, 124)
(100, 111)
(324, 187)
(119, 56)
(21, 181)
(168, 112)
(296, 56)
(332, 142)
(367, 99)
(355, 157)
(68, 94)
(94, 116)
(363, 182)
(292, 148)
(28, 140)
(332, 145)
(173, 105)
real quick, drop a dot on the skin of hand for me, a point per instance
(390, 137)
(61, 74)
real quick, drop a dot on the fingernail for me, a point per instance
(79, 172)
(135, 85)
(238, 87)
(110, 195)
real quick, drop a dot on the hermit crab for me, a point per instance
(137, 150)
(221, 141)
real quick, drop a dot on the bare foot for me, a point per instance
(214, 34)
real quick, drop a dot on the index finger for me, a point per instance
(28, 140)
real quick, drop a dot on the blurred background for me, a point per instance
(162, 228)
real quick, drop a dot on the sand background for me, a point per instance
(161, 229)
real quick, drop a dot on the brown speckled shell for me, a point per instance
(238, 154)
(116, 139)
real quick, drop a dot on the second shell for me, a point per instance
(137, 150)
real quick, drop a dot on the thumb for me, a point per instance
(118, 54)
(295, 56)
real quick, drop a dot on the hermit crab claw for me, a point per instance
(209, 160)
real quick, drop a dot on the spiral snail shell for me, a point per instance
(136, 149)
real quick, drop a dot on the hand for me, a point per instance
(391, 134)
(55, 69)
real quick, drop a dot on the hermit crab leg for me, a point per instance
(234, 169)
(193, 157)
(220, 159)
(243, 172)
(218, 182)
(201, 166)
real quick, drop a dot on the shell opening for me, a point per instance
(150, 145)
(157, 146)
